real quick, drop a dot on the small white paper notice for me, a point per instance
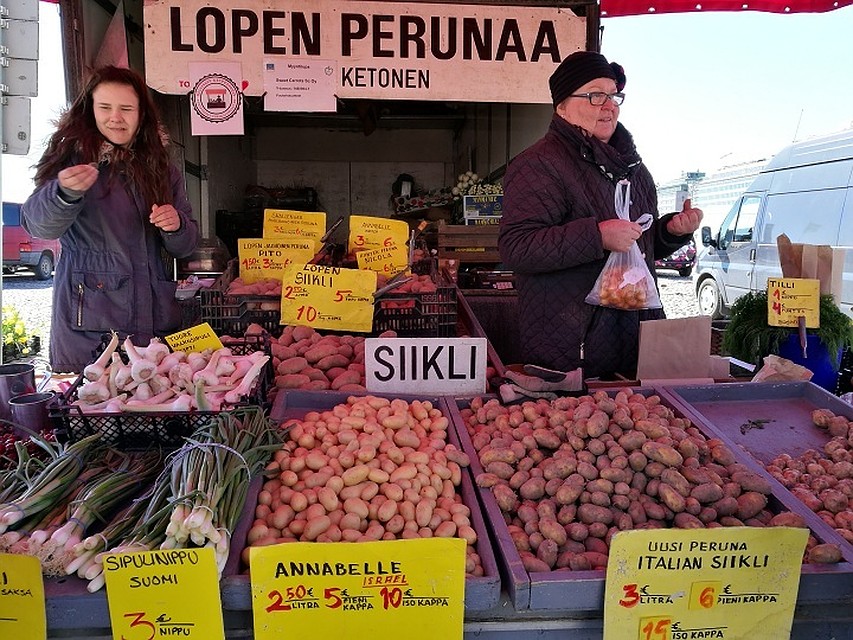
(216, 100)
(300, 84)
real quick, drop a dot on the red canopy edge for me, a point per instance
(612, 8)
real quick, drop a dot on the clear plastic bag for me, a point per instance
(625, 282)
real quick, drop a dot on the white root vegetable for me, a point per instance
(181, 403)
(171, 361)
(160, 398)
(196, 361)
(95, 391)
(155, 351)
(95, 370)
(245, 387)
(225, 366)
(181, 376)
(123, 377)
(208, 374)
(140, 368)
(108, 406)
(142, 392)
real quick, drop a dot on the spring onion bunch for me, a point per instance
(209, 478)
(123, 476)
(49, 486)
(195, 501)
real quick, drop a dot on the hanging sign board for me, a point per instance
(328, 297)
(267, 258)
(22, 612)
(450, 366)
(790, 298)
(410, 588)
(677, 584)
(379, 50)
(147, 594)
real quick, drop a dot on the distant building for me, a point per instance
(714, 193)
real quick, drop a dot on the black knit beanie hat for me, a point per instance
(578, 69)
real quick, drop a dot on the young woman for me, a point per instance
(106, 187)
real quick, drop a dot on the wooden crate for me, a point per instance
(468, 243)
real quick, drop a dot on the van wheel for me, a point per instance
(708, 297)
(44, 268)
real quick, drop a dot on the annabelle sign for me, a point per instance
(405, 51)
(448, 366)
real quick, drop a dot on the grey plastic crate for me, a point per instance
(582, 592)
(481, 592)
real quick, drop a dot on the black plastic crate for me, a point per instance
(421, 315)
(232, 314)
(139, 430)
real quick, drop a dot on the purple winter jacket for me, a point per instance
(112, 274)
(555, 194)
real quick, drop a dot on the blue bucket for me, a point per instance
(818, 360)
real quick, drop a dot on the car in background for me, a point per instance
(681, 260)
(23, 251)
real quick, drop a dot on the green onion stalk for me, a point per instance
(142, 529)
(28, 535)
(16, 477)
(51, 485)
(210, 476)
(124, 476)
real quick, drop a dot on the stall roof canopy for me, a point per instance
(612, 8)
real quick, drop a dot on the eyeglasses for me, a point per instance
(598, 98)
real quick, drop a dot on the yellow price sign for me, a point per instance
(414, 588)
(197, 338)
(675, 584)
(22, 612)
(790, 298)
(267, 258)
(304, 225)
(328, 297)
(173, 593)
(370, 232)
(388, 261)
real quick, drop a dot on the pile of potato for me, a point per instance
(306, 359)
(569, 474)
(823, 481)
(368, 469)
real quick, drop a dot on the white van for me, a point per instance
(805, 192)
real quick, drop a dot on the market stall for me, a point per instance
(531, 493)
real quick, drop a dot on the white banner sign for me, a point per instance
(445, 366)
(405, 51)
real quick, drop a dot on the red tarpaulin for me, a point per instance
(611, 8)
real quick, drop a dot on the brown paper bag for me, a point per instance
(817, 262)
(674, 349)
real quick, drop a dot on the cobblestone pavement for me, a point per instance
(32, 299)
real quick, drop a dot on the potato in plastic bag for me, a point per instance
(625, 282)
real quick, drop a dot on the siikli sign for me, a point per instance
(411, 51)
(449, 366)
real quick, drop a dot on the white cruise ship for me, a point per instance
(714, 193)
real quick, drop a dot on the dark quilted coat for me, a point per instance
(555, 194)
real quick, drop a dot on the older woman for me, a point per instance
(559, 224)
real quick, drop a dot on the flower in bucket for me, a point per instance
(17, 340)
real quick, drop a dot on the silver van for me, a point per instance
(805, 192)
